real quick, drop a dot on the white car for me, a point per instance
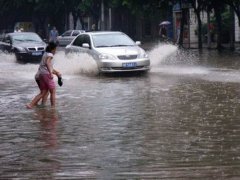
(112, 51)
(67, 37)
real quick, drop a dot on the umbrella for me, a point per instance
(164, 23)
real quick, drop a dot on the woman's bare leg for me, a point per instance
(36, 99)
(53, 97)
(44, 99)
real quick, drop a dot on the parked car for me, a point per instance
(27, 46)
(67, 37)
(113, 51)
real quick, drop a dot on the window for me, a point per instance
(28, 37)
(67, 33)
(87, 40)
(112, 39)
(75, 33)
(79, 41)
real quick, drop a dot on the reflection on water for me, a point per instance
(179, 121)
(48, 119)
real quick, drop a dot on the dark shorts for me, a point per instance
(38, 82)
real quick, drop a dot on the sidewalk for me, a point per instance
(213, 46)
(148, 45)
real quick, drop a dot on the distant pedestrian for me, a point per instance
(93, 27)
(178, 35)
(44, 78)
(17, 29)
(163, 32)
(53, 35)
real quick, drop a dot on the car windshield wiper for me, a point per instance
(119, 45)
(102, 46)
(29, 40)
(18, 40)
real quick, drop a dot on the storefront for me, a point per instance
(178, 13)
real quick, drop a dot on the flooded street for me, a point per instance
(179, 121)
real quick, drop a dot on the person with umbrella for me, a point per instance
(163, 30)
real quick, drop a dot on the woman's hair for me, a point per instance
(51, 46)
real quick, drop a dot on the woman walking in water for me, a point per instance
(45, 77)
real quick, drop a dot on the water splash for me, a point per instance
(7, 58)
(169, 59)
(161, 52)
(68, 65)
(10, 69)
(74, 64)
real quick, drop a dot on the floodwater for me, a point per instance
(179, 121)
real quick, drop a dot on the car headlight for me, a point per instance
(106, 56)
(143, 55)
(20, 49)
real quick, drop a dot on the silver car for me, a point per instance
(67, 37)
(113, 51)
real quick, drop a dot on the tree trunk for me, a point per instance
(208, 30)
(139, 32)
(219, 28)
(75, 18)
(181, 29)
(199, 30)
(232, 29)
(82, 22)
(66, 27)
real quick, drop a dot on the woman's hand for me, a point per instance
(51, 76)
(59, 74)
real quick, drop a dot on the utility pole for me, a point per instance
(110, 19)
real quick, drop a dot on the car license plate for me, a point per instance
(129, 65)
(36, 53)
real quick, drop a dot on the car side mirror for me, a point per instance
(85, 45)
(138, 43)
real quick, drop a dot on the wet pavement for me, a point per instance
(179, 121)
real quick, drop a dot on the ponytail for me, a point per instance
(51, 46)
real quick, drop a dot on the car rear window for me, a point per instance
(75, 33)
(67, 33)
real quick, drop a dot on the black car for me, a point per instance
(27, 46)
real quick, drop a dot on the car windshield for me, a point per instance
(111, 40)
(26, 38)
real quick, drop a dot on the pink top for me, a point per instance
(43, 65)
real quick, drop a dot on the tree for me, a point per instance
(13, 10)
(235, 5)
(218, 7)
(198, 6)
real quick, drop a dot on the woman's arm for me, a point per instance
(57, 73)
(49, 66)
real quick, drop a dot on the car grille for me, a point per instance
(121, 68)
(40, 48)
(36, 49)
(127, 57)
